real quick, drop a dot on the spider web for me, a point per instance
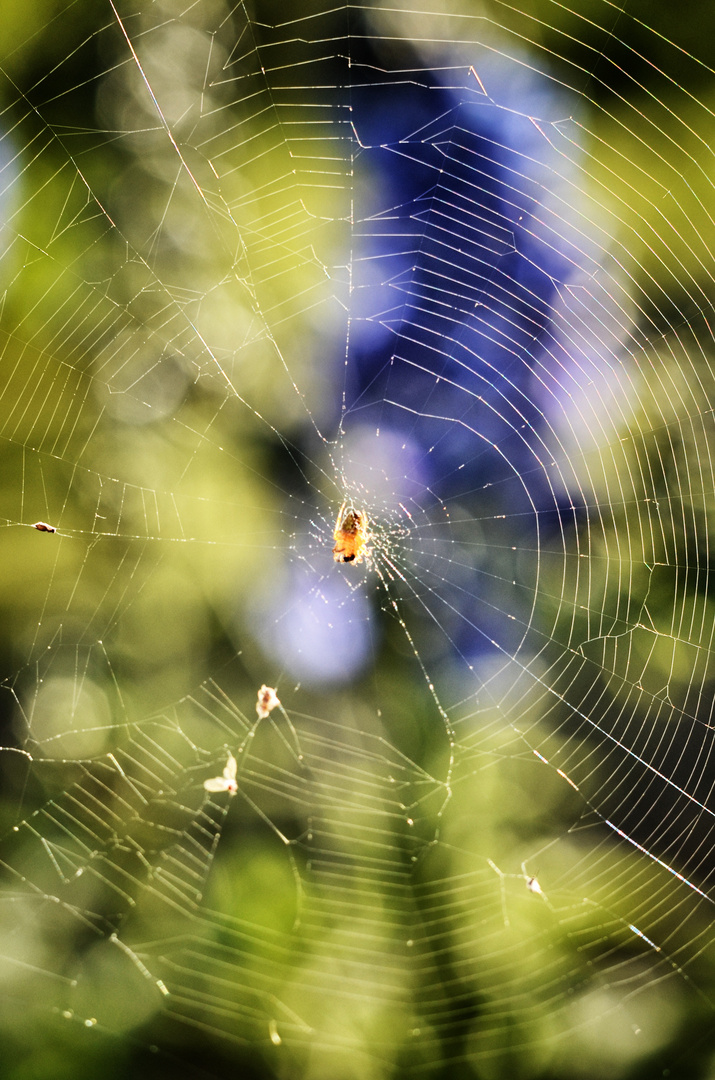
(451, 269)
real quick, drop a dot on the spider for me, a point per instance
(350, 535)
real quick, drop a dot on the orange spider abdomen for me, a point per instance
(350, 535)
